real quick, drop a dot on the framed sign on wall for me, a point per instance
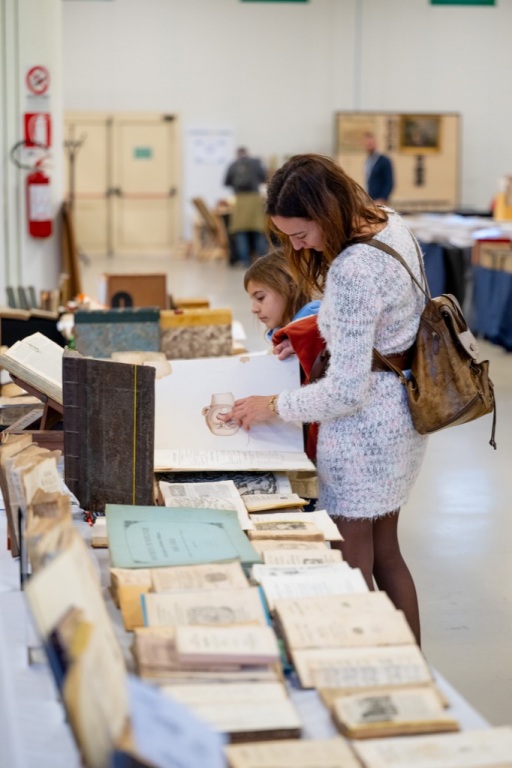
(423, 149)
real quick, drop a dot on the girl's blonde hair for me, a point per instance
(273, 271)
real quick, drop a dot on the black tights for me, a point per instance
(372, 546)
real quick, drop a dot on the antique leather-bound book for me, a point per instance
(109, 424)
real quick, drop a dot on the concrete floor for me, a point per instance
(456, 529)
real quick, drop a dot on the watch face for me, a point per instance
(221, 404)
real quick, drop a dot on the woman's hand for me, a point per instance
(284, 349)
(250, 410)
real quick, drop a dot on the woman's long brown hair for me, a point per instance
(316, 188)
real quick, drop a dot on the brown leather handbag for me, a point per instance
(447, 385)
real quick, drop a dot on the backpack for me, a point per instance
(243, 176)
(447, 385)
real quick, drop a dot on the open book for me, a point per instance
(37, 361)
(189, 434)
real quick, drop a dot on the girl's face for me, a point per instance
(267, 304)
(302, 232)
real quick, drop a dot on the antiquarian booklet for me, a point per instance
(247, 711)
(37, 361)
(392, 712)
(303, 753)
(351, 669)
(202, 607)
(189, 434)
(488, 748)
(280, 582)
(146, 537)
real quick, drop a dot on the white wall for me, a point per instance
(30, 34)
(277, 72)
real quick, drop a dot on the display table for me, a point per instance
(33, 729)
(485, 289)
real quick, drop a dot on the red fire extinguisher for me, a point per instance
(39, 204)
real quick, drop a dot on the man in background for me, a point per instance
(378, 171)
(247, 223)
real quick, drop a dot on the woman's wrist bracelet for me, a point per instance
(272, 404)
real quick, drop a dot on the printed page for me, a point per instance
(38, 361)
(468, 749)
(335, 605)
(230, 645)
(247, 483)
(301, 556)
(304, 753)
(319, 517)
(203, 607)
(354, 668)
(347, 630)
(220, 495)
(206, 576)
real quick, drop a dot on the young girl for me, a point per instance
(276, 299)
(289, 314)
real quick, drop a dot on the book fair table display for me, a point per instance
(216, 626)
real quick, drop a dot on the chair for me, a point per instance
(210, 238)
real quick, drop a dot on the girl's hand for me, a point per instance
(283, 350)
(250, 410)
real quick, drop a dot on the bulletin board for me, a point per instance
(423, 147)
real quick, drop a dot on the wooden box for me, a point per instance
(134, 290)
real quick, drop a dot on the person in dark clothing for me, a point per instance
(247, 224)
(378, 171)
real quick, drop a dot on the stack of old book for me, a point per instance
(198, 624)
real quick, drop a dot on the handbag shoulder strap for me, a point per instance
(388, 249)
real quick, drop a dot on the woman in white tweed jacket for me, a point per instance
(369, 453)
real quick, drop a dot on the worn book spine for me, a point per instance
(109, 415)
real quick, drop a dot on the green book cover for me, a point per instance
(149, 537)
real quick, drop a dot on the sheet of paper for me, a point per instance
(189, 433)
(219, 495)
(315, 581)
(257, 461)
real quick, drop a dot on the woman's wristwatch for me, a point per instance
(272, 404)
